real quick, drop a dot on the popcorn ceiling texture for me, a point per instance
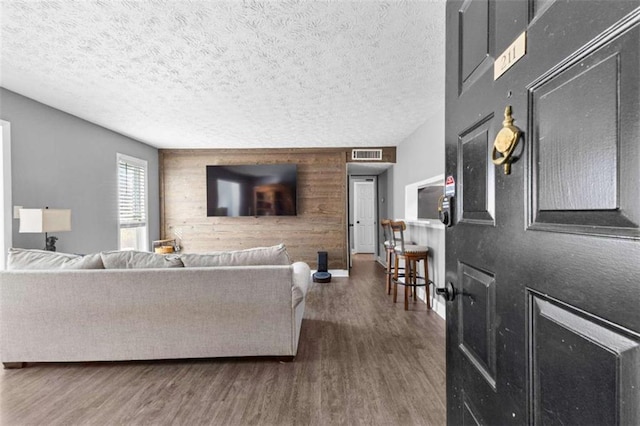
(195, 74)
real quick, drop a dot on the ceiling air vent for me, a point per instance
(366, 154)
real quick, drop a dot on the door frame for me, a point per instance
(350, 210)
(373, 185)
(6, 215)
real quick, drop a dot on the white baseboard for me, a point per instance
(439, 307)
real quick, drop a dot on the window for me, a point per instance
(132, 203)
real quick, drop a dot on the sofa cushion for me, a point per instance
(139, 260)
(29, 259)
(301, 279)
(275, 255)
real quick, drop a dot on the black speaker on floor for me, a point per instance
(322, 276)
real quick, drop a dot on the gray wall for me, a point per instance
(385, 206)
(418, 157)
(61, 161)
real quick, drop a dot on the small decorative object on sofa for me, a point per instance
(164, 246)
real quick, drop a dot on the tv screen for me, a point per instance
(252, 190)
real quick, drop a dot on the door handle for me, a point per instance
(505, 142)
(448, 292)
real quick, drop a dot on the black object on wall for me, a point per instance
(252, 190)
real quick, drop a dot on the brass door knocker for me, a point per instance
(505, 143)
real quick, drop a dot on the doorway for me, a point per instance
(379, 174)
(364, 216)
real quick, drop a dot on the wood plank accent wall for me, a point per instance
(321, 223)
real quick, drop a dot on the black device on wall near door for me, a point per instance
(445, 210)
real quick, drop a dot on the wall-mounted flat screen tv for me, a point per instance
(252, 190)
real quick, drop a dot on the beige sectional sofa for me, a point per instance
(151, 312)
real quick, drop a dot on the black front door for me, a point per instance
(545, 261)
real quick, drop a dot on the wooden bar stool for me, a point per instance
(411, 254)
(388, 247)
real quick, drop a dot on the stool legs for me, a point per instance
(410, 279)
(388, 286)
(414, 281)
(426, 280)
(395, 277)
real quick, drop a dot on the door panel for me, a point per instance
(584, 175)
(477, 200)
(565, 387)
(477, 310)
(474, 48)
(545, 326)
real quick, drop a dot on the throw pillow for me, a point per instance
(275, 255)
(139, 260)
(28, 259)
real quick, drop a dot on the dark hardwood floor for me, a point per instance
(361, 360)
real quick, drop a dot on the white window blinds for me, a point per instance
(131, 193)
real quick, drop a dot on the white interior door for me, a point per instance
(364, 217)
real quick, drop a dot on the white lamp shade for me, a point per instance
(45, 220)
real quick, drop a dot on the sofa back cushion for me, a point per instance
(275, 255)
(139, 260)
(29, 259)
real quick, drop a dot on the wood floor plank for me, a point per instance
(362, 360)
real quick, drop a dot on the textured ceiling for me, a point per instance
(192, 74)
